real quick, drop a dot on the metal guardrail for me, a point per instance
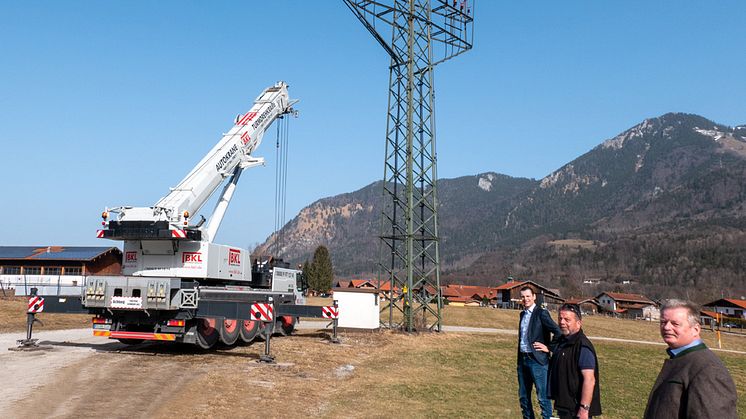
(56, 285)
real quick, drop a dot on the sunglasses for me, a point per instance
(571, 307)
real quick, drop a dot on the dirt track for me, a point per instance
(84, 376)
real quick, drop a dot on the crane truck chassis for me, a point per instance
(176, 284)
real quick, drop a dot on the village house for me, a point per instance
(468, 295)
(588, 305)
(354, 283)
(509, 294)
(24, 266)
(385, 292)
(633, 306)
(729, 312)
(729, 307)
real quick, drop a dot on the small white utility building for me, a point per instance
(358, 307)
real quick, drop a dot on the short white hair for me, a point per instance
(692, 309)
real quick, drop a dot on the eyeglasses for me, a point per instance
(571, 307)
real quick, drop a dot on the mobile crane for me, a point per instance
(176, 284)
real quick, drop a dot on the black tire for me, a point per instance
(260, 334)
(207, 334)
(248, 330)
(229, 330)
(285, 325)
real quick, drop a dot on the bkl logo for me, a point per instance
(130, 257)
(245, 138)
(246, 118)
(191, 257)
(234, 257)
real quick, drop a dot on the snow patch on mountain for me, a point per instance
(712, 133)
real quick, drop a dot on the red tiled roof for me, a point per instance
(357, 283)
(725, 302)
(582, 300)
(468, 291)
(386, 286)
(739, 303)
(714, 315)
(708, 313)
(430, 289)
(510, 285)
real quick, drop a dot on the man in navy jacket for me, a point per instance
(534, 339)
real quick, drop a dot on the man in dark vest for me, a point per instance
(573, 371)
(693, 383)
(534, 331)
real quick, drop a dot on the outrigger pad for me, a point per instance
(267, 359)
(28, 345)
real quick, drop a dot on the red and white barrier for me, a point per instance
(35, 304)
(330, 312)
(262, 312)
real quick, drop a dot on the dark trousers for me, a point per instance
(532, 374)
(564, 414)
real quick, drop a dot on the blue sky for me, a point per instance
(111, 103)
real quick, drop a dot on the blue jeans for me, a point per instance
(532, 373)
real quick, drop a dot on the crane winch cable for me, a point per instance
(281, 183)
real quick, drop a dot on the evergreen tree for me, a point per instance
(321, 271)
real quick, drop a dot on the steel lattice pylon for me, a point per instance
(423, 33)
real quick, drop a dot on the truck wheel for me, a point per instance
(207, 333)
(229, 332)
(261, 331)
(249, 329)
(285, 325)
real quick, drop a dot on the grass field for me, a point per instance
(463, 375)
(592, 325)
(13, 317)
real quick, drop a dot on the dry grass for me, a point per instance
(13, 317)
(310, 377)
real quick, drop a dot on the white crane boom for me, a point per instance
(160, 241)
(227, 158)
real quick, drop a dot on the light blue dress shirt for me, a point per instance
(677, 350)
(525, 344)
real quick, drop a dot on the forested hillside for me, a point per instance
(658, 209)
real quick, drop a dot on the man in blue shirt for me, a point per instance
(534, 331)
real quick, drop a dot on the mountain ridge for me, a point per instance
(665, 178)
